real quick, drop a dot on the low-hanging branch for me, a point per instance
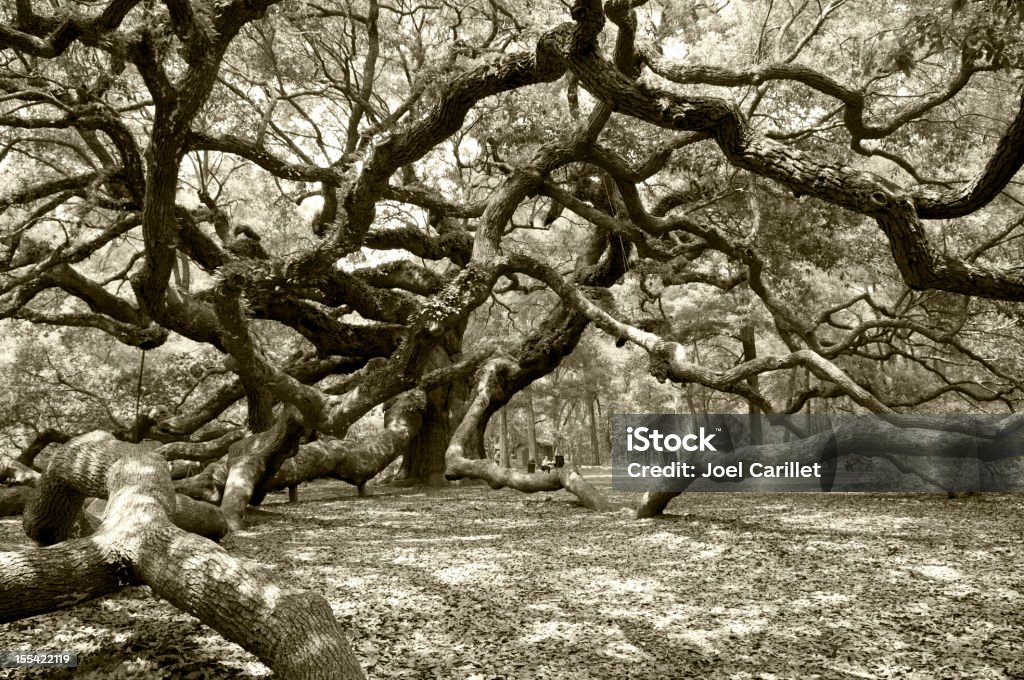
(294, 632)
(468, 437)
(356, 463)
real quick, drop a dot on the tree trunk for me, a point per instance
(556, 427)
(788, 435)
(531, 429)
(259, 403)
(424, 462)
(424, 459)
(749, 343)
(294, 632)
(338, 459)
(506, 444)
(595, 450)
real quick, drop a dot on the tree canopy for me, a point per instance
(371, 178)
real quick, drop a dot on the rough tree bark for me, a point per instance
(531, 430)
(749, 342)
(338, 459)
(506, 454)
(293, 632)
(424, 459)
(595, 449)
(56, 511)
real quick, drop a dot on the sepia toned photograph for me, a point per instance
(512, 339)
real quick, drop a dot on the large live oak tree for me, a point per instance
(161, 149)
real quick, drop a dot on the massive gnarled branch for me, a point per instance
(997, 173)
(668, 359)
(255, 459)
(380, 380)
(458, 464)
(852, 99)
(294, 632)
(920, 263)
(356, 463)
(302, 369)
(50, 37)
(461, 94)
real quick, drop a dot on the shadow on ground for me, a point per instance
(467, 583)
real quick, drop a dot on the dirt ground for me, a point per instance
(470, 583)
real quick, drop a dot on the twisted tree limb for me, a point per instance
(294, 632)
(897, 213)
(337, 459)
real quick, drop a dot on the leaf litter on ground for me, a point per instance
(470, 583)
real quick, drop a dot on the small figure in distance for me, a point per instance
(545, 465)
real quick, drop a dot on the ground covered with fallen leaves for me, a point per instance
(471, 583)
